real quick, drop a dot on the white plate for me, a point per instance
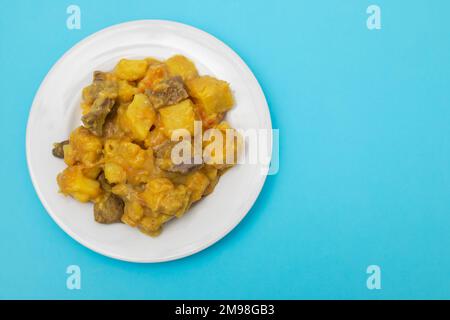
(55, 113)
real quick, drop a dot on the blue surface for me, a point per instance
(364, 161)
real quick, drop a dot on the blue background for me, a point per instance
(364, 154)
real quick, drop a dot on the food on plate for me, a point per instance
(122, 157)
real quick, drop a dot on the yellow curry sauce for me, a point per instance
(120, 158)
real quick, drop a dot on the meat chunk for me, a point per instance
(100, 96)
(167, 92)
(58, 149)
(163, 160)
(109, 209)
(104, 183)
(183, 168)
(100, 84)
(95, 118)
(99, 76)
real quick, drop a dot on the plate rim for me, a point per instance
(191, 251)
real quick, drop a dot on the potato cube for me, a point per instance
(179, 65)
(83, 147)
(197, 183)
(126, 91)
(152, 60)
(114, 173)
(92, 172)
(131, 69)
(141, 116)
(72, 182)
(178, 116)
(223, 155)
(133, 213)
(211, 94)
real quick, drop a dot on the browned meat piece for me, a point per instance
(100, 84)
(164, 162)
(99, 76)
(167, 92)
(110, 127)
(58, 150)
(163, 149)
(183, 168)
(104, 183)
(109, 209)
(95, 118)
(101, 94)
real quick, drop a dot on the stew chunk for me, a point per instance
(109, 209)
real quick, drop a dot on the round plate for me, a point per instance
(56, 112)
